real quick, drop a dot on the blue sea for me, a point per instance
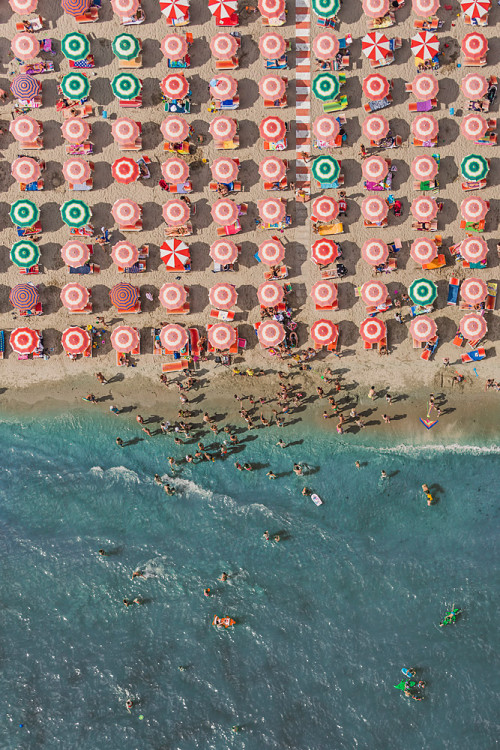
(325, 618)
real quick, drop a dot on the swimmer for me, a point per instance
(103, 553)
(238, 466)
(137, 574)
(306, 491)
(147, 431)
(383, 475)
(158, 479)
(357, 465)
(189, 459)
(168, 489)
(206, 592)
(266, 535)
(427, 494)
(271, 475)
(248, 467)
(223, 577)
(129, 704)
(137, 600)
(281, 443)
(298, 469)
(127, 603)
(277, 537)
(119, 442)
(140, 419)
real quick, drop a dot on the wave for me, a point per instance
(116, 473)
(475, 450)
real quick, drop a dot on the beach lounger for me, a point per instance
(438, 262)
(227, 315)
(459, 339)
(430, 348)
(2, 344)
(194, 338)
(453, 288)
(474, 356)
(492, 294)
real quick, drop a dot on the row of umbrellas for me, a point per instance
(427, 8)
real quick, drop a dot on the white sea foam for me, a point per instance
(116, 473)
(476, 450)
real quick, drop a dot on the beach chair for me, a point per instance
(453, 288)
(430, 348)
(90, 16)
(474, 356)
(438, 262)
(492, 295)
(194, 338)
(459, 339)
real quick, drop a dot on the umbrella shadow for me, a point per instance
(151, 53)
(348, 334)
(198, 298)
(200, 90)
(400, 127)
(447, 171)
(351, 170)
(101, 135)
(249, 133)
(449, 212)
(52, 137)
(101, 49)
(401, 175)
(51, 217)
(151, 135)
(494, 173)
(101, 91)
(249, 51)
(249, 174)
(152, 215)
(446, 329)
(102, 175)
(50, 253)
(449, 131)
(200, 259)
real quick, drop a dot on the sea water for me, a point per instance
(326, 618)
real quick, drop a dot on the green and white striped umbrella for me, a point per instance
(325, 169)
(326, 8)
(75, 86)
(326, 87)
(126, 47)
(126, 86)
(75, 214)
(75, 46)
(24, 213)
(25, 254)
(474, 167)
(423, 292)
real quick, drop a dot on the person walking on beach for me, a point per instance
(371, 393)
(139, 419)
(386, 418)
(100, 377)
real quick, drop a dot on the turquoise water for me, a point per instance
(326, 618)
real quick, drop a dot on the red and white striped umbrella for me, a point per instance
(324, 251)
(223, 46)
(224, 170)
(25, 129)
(324, 208)
(425, 86)
(76, 170)
(272, 168)
(474, 86)
(74, 296)
(272, 46)
(75, 130)
(425, 45)
(175, 254)
(174, 129)
(372, 330)
(326, 128)
(176, 213)
(424, 208)
(25, 46)
(423, 328)
(175, 86)
(173, 337)
(270, 333)
(124, 130)
(376, 46)
(374, 209)
(175, 170)
(223, 86)
(423, 250)
(75, 253)
(375, 8)
(75, 340)
(474, 208)
(376, 87)
(375, 127)
(124, 254)
(125, 170)
(474, 45)
(223, 296)
(23, 6)
(24, 340)
(174, 47)
(324, 332)
(222, 336)
(325, 46)
(271, 210)
(425, 8)
(272, 129)
(222, 9)
(224, 251)
(473, 291)
(25, 169)
(475, 8)
(425, 127)
(324, 293)
(175, 10)
(424, 167)
(473, 327)
(473, 249)
(126, 212)
(271, 8)
(270, 293)
(375, 168)
(225, 212)
(474, 126)
(374, 252)
(271, 252)
(125, 339)
(125, 8)
(374, 293)
(223, 128)
(173, 296)
(272, 87)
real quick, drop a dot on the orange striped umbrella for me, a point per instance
(270, 333)
(270, 293)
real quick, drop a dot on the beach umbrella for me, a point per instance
(425, 86)
(375, 168)
(24, 297)
(25, 169)
(124, 254)
(325, 169)
(173, 337)
(175, 170)
(222, 336)
(326, 128)
(223, 87)
(75, 46)
(373, 293)
(25, 46)
(125, 170)
(75, 86)
(425, 127)
(325, 46)
(372, 330)
(324, 208)
(175, 254)
(376, 46)
(270, 293)
(324, 332)
(270, 333)
(423, 292)
(272, 46)
(172, 296)
(74, 296)
(75, 253)
(474, 291)
(271, 252)
(174, 46)
(375, 127)
(24, 254)
(174, 10)
(24, 340)
(223, 128)
(25, 128)
(24, 213)
(76, 170)
(474, 126)
(474, 168)
(375, 252)
(225, 212)
(224, 170)
(75, 340)
(474, 45)
(423, 328)
(176, 213)
(423, 250)
(124, 130)
(222, 9)
(175, 86)
(126, 47)
(223, 296)
(23, 6)
(75, 214)
(325, 87)
(425, 8)
(424, 208)
(425, 45)
(272, 210)
(272, 168)
(126, 86)
(374, 209)
(473, 327)
(224, 252)
(125, 8)
(271, 8)
(272, 87)
(326, 8)
(474, 208)
(324, 293)
(174, 129)
(75, 130)
(324, 251)
(475, 8)
(126, 212)
(125, 339)
(25, 87)
(375, 8)
(223, 46)
(424, 167)
(474, 86)
(473, 249)
(272, 129)
(376, 87)
(75, 7)
(124, 296)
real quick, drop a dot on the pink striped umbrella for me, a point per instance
(374, 209)
(375, 168)
(374, 252)
(25, 46)
(324, 332)
(25, 129)
(124, 254)
(224, 251)
(173, 337)
(75, 340)
(75, 130)
(425, 8)
(223, 46)
(424, 167)
(125, 339)
(324, 251)
(473, 291)
(272, 168)
(174, 129)
(425, 86)
(270, 333)
(473, 327)
(372, 330)
(126, 212)
(175, 170)
(375, 8)
(173, 296)
(176, 213)
(74, 296)
(375, 127)
(272, 87)
(124, 130)
(175, 86)
(174, 47)
(223, 87)
(425, 127)
(272, 129)
(474, 208)
(376, 87)
(474, 45)
(474, 126)
(326, 128)
(222, 336)
(271, 210)
(270, 293)
(225, 212)
(473, 249)
(23, 6)
(125, 8)
(271, 8)
(425, 45)
(271, 252)
(125, 170)
(75, 253)
(424, 208)
(76, 170)
(324, 208)
(325, 46)
(423, 250)
(374, 293)
(474, 86)
(24, 340)
(25, 169)
(272, 46)
(223, 296)
(423, 328)
(223, 128)
(324, 293)
(224, 170)
(475, 8)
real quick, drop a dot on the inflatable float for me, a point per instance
(223, 622)
(316, 499)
